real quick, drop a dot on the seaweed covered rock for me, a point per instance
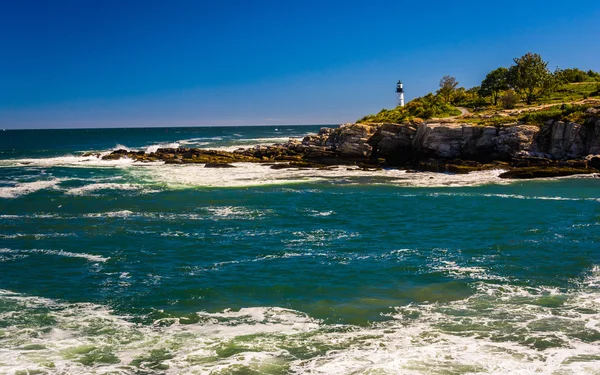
(543, 172)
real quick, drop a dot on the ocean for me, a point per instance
(115, 267)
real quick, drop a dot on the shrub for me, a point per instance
(539, 117)
(573, 113)
(424, 108)
(509, 100)
(572, 75)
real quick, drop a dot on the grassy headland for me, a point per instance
(527, 92)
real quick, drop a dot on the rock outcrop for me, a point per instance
(560, 148)
(568, 140)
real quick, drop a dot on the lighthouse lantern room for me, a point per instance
(400, 94)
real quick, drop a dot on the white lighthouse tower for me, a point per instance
(400, 94)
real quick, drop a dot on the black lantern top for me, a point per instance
(399, 88)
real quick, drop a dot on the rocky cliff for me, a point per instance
(440, 146)
(397, 143)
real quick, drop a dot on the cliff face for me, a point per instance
(568, 140)
(398, 144)
(558, 148)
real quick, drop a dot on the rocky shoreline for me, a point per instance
(556, 148)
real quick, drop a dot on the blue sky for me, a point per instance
(91, 63)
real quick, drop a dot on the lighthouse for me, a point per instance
(400, 94)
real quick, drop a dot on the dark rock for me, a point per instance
(554, 149)
(544, 172)
(218, 165)
(113, 156)
(593, 161)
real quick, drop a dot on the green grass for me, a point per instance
(573, 92)
(567, 93)
(573, 113)
(432, 106)
(424, 108)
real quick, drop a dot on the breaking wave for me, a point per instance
(499, 329)
(89, 257)
(25, 188)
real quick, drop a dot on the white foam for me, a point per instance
(513, 196)
(37, 236)
(195, 142)
(461, 272)
(154, 148)
(92, 188)
(120, 147)
(237, 212)
(250, 174)
(316, 213)
(28, 216)
(436, 338)
(25, 188)
(68, 161)
(121, 213)
(491, 332)
(62, 253)
(253, 142)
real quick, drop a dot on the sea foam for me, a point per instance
(500, 329)
(250, 174)
(25, 188)
(62, 253)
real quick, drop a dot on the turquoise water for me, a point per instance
(126, 268)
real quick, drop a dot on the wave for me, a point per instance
(251, 142)
(513, 196)
(68, 161)
(62, 253)
(147, 149)
(154, 148)
(29, 216)
(250, 174)
(25, 188)
(120, 213)
(316, 213)
(233, 212)
(37, 236)
(499, 329)
(92, 188)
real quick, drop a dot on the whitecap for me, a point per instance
(37, 236)
(120, 213)
(514, 196)
(68, 161)
(316, 213)
(251, 174)
(62, 253)
(25, 188)
(493, 331)
(121, 147)
(92, 188)
(237, 212)
(154, 148)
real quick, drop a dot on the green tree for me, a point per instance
(571, 75)
(495, 82)
(448, 86)
(593, 75)
(530, 77)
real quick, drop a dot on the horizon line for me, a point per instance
(167, 127)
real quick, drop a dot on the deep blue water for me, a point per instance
(120, 267)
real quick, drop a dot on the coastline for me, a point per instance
(553, 149)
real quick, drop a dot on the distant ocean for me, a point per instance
(115, 267)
